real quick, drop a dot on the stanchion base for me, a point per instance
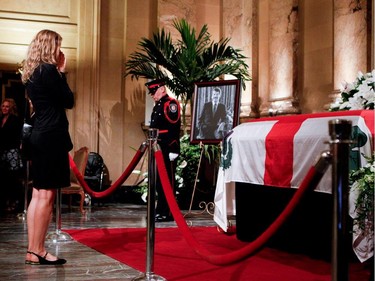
(22, 216)
(58, 236)
(149, 277)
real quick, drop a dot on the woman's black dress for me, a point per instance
(50, 140)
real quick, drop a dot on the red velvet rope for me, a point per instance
(309, 182)
(118, 182)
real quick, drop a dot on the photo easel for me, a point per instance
(206, 206)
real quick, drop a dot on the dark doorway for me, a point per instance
(12, 87)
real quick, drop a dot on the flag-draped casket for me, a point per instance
(279, 151)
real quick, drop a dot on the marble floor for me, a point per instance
(83, 263)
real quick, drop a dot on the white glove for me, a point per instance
(172, 156)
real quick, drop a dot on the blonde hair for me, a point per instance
(44, 48)
(12, 106)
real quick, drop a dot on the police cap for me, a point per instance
(154, 85)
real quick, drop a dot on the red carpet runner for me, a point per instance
(175, 261)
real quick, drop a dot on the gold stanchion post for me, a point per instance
(149, 275)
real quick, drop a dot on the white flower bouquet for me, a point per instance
(357, 95)
(362, 211)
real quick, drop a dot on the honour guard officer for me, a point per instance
(165, 117)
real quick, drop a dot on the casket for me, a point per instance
(275, 153)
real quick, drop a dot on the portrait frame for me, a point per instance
(230, 91)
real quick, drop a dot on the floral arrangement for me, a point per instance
(186, 170)
(362, 182)
(357, 95)
(186, 174)
(142, 185)
(362, 211)
(360, 95)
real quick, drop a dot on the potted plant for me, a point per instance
(191, 58)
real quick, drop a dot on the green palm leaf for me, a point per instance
(189, 60)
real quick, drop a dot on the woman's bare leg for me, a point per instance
(38, 219)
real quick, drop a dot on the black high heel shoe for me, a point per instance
(43, 260)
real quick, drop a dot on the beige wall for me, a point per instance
(317, 55)
(21, 20)
(140, 22)
(111, 96)
(98, 36)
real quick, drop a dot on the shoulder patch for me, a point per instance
(172, 111)
(173, 107)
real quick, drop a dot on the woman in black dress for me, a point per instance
(10, 155)
(48, 90)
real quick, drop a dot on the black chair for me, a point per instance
(94, 172)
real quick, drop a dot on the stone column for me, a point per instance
(255, 99)
(283, 50)
(237, 25)
(169, 10)
(350, 40)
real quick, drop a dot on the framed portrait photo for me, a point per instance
(215, 110)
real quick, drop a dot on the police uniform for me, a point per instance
(165, 117)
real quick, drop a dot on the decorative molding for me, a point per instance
(60, 11)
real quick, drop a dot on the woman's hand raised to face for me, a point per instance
(61, 63)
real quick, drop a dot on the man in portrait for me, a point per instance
(213, 118)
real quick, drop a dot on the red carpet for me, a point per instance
(175, 260)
